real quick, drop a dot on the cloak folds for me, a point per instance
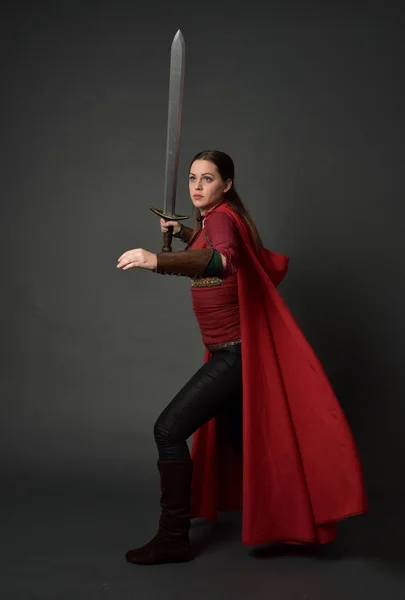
(300, 472)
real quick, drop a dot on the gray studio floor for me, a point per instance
(67, 541)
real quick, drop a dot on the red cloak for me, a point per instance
(300, 472)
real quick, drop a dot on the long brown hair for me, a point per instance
(226, 169)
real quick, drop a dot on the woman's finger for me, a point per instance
(130, 265)
(124, 255)
(125, 260)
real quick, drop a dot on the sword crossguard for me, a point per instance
(167, 237)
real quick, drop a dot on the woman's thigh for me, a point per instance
(210, 392)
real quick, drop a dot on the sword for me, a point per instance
(176, 85)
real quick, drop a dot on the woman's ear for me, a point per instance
(228, 185)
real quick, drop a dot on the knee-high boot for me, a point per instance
(171, 543)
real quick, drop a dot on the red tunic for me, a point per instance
(215, 299)
(300, 472)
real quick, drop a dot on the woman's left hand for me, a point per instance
(137, 259)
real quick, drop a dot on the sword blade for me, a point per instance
(176, 85)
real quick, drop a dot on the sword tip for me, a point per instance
(178, 36)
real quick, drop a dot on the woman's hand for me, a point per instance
(164, 226)
(137, 259)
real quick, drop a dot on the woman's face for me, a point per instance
(206, 185)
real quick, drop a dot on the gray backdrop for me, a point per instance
(306, 99)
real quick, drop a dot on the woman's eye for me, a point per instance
(191, 178)
(207, 178)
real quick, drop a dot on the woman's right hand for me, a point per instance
(164, 225)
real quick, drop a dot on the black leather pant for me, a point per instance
(214, 391)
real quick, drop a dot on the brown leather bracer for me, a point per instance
(189, 263)
(185, 234)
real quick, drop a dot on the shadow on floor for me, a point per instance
(376, 535)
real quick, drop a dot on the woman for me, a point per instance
(301, 472)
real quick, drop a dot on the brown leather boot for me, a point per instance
(171, 543)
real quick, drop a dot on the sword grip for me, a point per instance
(167, 240)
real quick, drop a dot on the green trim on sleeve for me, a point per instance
(215, 266)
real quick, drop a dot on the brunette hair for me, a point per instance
(226, 169)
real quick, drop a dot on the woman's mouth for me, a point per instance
(197, 196)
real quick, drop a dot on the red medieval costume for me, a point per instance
(298, 472)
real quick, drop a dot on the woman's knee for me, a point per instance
(165, 433)
(160, 432)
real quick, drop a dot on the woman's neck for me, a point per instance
(204, 212)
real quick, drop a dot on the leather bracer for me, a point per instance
(185, 234)
(189, 263)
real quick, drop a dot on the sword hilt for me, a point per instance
(168, 235)
(167, 240)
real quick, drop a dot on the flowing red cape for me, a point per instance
(300, 472)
